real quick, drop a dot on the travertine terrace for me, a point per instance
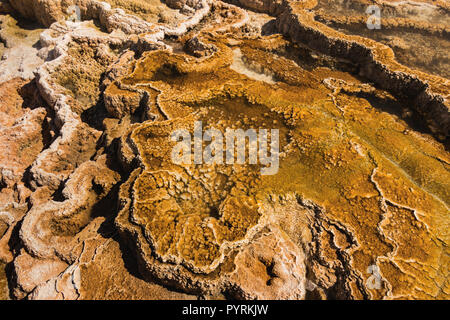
(94, 207)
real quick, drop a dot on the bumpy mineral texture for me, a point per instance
(94, 204)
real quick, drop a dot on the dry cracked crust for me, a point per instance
(92, 207)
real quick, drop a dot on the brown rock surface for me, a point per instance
(4, 294)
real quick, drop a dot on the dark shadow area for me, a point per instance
(269, 28)
(15, 245)
(95, 115)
